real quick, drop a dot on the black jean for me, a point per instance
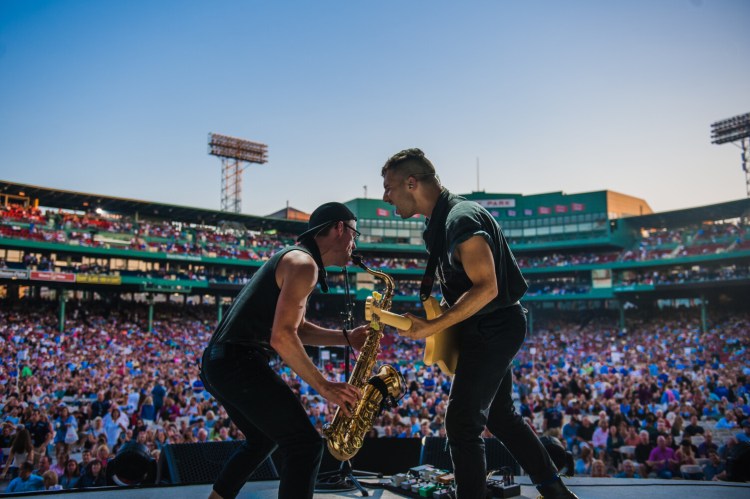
(270, 416)
(481, 396)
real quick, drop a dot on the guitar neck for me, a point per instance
(394, 320)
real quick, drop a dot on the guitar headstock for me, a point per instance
(368, 308)
(372, 310)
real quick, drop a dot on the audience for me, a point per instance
(106, 380)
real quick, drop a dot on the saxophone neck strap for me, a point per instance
(388, 400)
(346, 337)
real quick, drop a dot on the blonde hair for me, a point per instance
(50, 478)
(601, 468)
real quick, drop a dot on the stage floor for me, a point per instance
(585, 488)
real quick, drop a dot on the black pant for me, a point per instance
(266, 410)
(481, 396)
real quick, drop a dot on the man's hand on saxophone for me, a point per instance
(357, 336)
(343, 395)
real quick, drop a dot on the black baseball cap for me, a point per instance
(324, 215)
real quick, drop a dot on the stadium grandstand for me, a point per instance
(638, 323)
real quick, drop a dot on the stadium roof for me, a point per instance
(688, 216)
(81, 201)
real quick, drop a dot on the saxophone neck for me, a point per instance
(389, 284)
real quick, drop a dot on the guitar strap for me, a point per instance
(428, 279)
(445, 202)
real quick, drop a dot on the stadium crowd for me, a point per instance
(94, 230)
(100, 230)
(683, 275)
(644, 402)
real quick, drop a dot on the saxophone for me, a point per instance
(345, 435)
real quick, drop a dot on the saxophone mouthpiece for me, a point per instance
(357, 260)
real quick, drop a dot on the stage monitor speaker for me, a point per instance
(389, 456)
(738, 463)
(379, 455)
(435, 452)
(133, 465)
(201, 463)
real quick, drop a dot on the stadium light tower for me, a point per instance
(735, 129)
(234, 154)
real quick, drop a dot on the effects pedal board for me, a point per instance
(430, 482)
(504, 487)
(423, 481)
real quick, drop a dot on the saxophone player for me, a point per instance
(268, 316)
(482, 285)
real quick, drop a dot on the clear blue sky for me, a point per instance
(117, 97)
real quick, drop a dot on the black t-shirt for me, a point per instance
(586, 433)
(691, 430)
(38, 432)
(465, 220)
(526, 411)
(6, 440)
(99, 408)
(642, 451)
(554, 417)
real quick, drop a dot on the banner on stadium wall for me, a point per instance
(497, 203)
(98, 279)
(382, 212)
(577, 207)
(224, 286)
(544, 210)
(191, 258)
(52, 276)
(164, 288)
(14, 274)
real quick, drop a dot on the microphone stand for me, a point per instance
(343, 478)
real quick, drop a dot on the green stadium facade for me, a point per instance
(578, 251)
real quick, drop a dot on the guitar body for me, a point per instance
(440, 348)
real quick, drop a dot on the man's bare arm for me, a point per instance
(478, 263)
(296, 275)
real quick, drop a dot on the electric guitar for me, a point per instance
(440, 348)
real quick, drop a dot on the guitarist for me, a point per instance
(482, 284)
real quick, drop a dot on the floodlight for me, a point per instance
(735, 129)
(233, 153)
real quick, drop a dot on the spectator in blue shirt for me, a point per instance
(708, 446)
(158, 393)
(429, 383)
(628, 470)
(745, 435)
(148, 411)
(727, 422)
(570, 432)
(26, 481)
(64, 421)
(716, 469)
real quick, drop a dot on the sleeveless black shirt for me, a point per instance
(249, 320)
